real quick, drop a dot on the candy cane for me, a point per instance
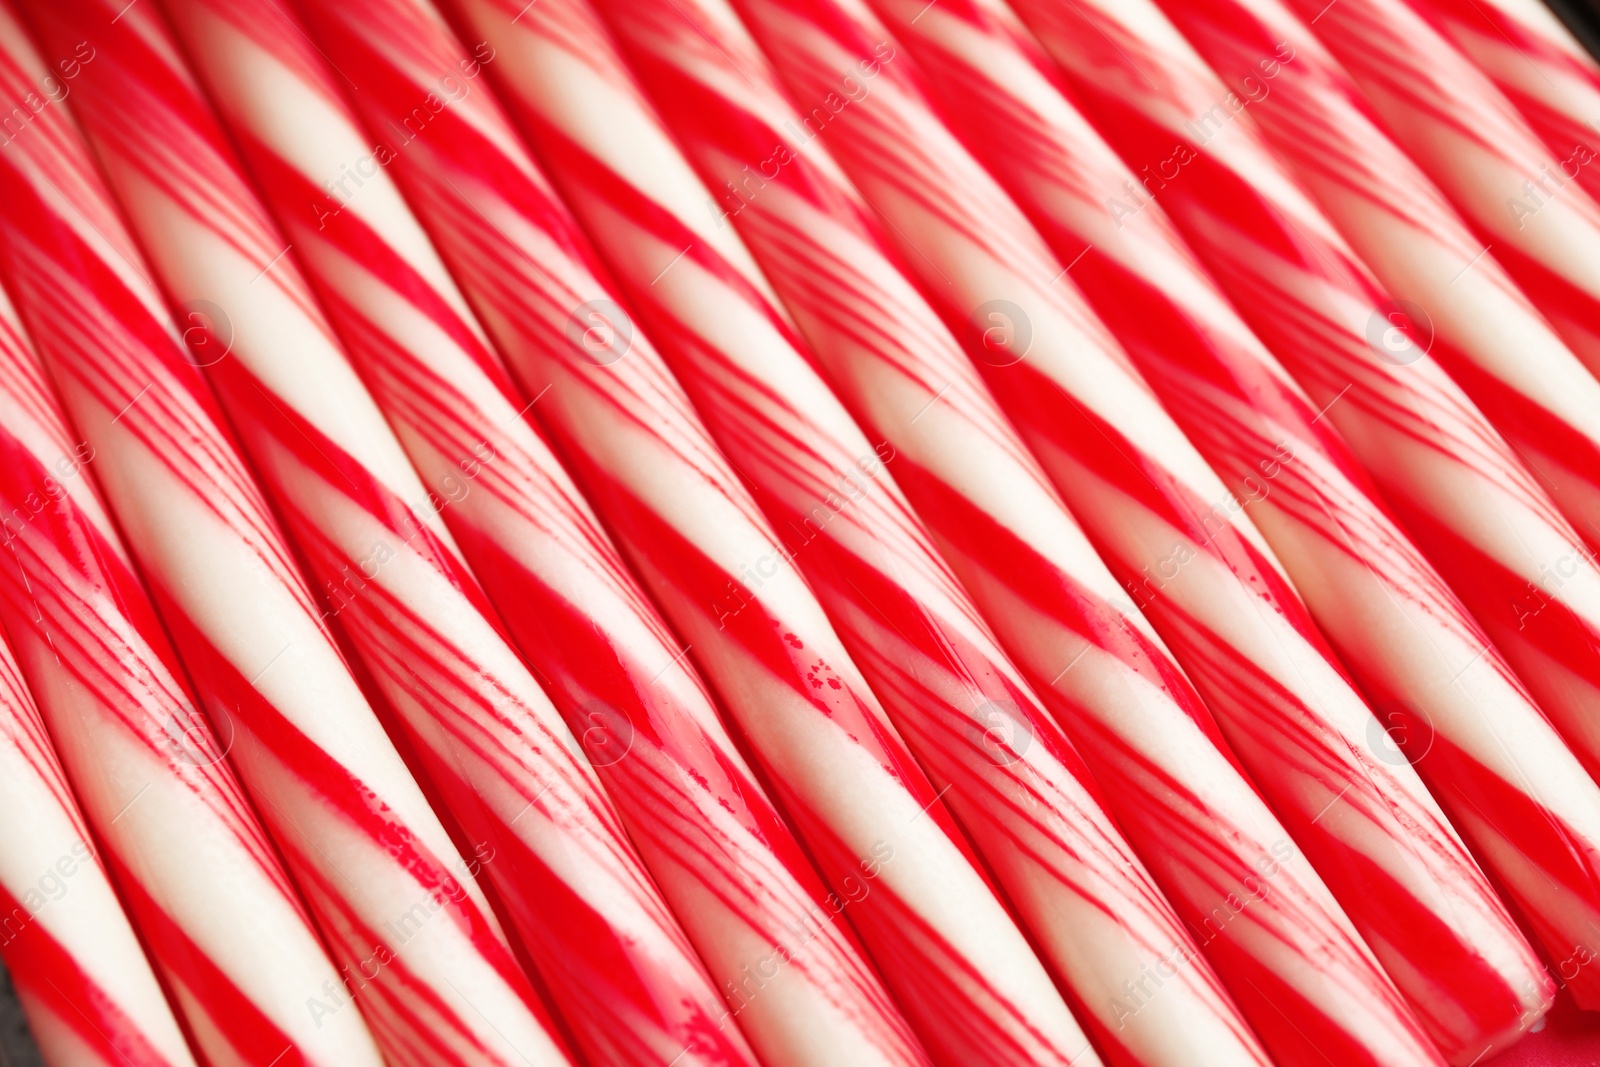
(145, 765)
(613, 959)
(848, 530)
(1519, 198)
(724, 859)
(375, 864)
(83, 980)
(1461, 492)
(1391, 617)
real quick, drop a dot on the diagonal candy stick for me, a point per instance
(898, 868)
(1387, 612)
(641, 996)
(1459, 489)
(876, 336)
(1517, 196)
(147, 769)
(845, 526)
(612, 958)
(355, 829)
(1171, 532)
(80, 973)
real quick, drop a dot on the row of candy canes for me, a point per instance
(841, 981)
(1405, 635)
(1458, 487)
(143, 72)
(856, 316)
(1555, 85)
(555, 44)
(1538, 398)
(1201, 574)
(142, 760)
(1483, 331)
(1512, 1016)
(623, 245)
(885, 535)
(376, 273)
(1569, 794)
(845, 526)
(1518, 352)
(1515, 194)
(80, 972)
(741, 885)
(1506, 1018)
(962, 920)
(357, 834)
(77, 965)
(604, 945)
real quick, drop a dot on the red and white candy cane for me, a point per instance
(360, 839)
(149, 774)
(724, 859)
(1388, 613)
(1005, 768)
(1517, 195)
(1458, 488)
(1173, 534)
(612, 958)
(896, 864)
(80, 973)
(1542, 69)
